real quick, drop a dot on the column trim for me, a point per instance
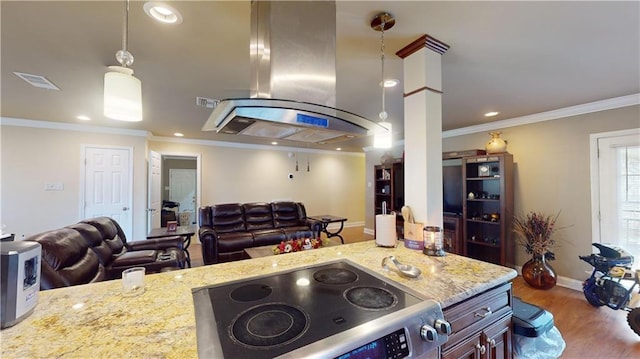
(423, 41)
(422, 89)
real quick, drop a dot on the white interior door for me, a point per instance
(155, 191)
(108, 185)
(182, 189)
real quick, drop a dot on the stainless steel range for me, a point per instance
(333, 310)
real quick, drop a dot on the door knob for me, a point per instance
(125, 208)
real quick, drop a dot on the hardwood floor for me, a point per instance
(588, 332)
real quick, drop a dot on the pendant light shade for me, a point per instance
(122, 95)
(122, 90)
(382, 135)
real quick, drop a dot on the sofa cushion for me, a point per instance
(110, 232)
(94, 239)
(231, 242)
(285, 214)
(264, 237)
(298, 232)
(228, 217)
(258, 216)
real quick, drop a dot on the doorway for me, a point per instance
(616, 189)
(179, 187)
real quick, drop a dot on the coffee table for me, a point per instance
(183, 231)
(265, 251)
(325, 219)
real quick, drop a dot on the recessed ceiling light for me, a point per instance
(491, 114)
(339, 149)
(178, 134)
(390, 82)
(83, 118)
(162, 12)
(274, 143)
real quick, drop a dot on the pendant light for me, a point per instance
(123, 91)
(382, 135)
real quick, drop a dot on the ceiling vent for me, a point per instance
(206, 102)
(37, 81)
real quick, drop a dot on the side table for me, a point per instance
(183, 231)
(325, 219)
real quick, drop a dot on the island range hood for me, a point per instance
(293, 79)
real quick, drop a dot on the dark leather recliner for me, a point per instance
(96, 249)
(227, 229)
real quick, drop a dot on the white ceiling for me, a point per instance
(519, 58)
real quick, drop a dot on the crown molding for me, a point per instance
(249, 146)
(10, 121)
(597, 106)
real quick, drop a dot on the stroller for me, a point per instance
(613, 282)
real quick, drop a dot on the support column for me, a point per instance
(423, 128)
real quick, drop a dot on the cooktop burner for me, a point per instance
(269, 325)
(335, 276)
(267, 316)
(373, 298)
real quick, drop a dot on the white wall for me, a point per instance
(32, 156)
(552, 174)
(233, 174)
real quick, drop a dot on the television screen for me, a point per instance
(452, 186)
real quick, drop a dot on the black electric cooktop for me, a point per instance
(267, 316)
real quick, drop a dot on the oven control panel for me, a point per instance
(391, 346)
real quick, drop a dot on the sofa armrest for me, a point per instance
(315, 226)
(134, 258)
(209, 244)
(157, 243)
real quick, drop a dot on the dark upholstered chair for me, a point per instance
(96, 249)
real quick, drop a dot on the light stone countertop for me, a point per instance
(96, 321)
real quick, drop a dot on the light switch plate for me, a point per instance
(54, 186)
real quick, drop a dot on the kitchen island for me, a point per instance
(96, 321)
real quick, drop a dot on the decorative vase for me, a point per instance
(496, 144)
(538, 273)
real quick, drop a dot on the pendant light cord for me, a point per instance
(382, 67)
(123, 56)
(125, 28)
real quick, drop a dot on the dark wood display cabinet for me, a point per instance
(488, 208)
(452, 236)
(389, 188)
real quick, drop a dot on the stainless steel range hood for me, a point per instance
(293, 78)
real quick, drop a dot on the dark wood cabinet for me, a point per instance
(481, 326)
(389, 189)
(488, 208)
(452, 236)
(492, 343)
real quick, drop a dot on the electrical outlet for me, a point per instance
(54, 186)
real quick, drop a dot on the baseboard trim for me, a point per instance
(347, 224)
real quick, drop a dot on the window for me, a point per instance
(616, 189)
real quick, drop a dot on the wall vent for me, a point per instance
(37, 81)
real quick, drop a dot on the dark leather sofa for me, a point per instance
(96, 249)
(227, 229)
